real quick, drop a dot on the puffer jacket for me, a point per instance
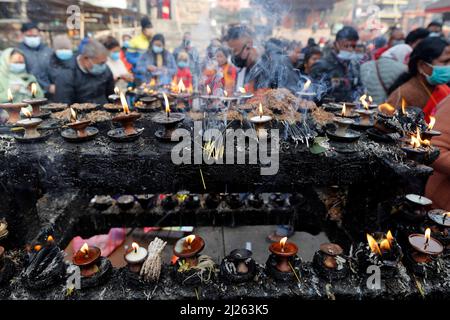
(377, 83)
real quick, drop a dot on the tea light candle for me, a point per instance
(418, 200)
(425, 243)
(188, 248)
(135, 257)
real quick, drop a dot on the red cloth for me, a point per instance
(125, 61)
(229, 77)
(106, 242)
(379, 52)
(186, 75)
(439, 94)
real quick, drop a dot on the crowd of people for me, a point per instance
(414, 67)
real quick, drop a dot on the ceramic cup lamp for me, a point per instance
(283, 250)
(135, 257)
(12, 108)
(260, 122)
(87, 258)
(188, 248)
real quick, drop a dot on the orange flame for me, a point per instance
(10, 95)
(370, 99)
(181, 86)
(135, 247)
(190, 239)
(85, 248)
(242, 90)
(403, 106)
(152, 83)
(283, 242)
(432, 123)
(344, 110)
(73, 115)
(124, 102)
(373, 245)
(166, 103)
(33, 89)
(390, 237)
(26, 112)
(208, 89)
(385, 245)
(50, 239)
(37, 247)
(386, 108)
(260, 110)
(225, 93)
(427, 235)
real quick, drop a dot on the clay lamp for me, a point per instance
(181, 94)
(260, 122)
(86, 258)
(145, 200)
(255, 201)
(30, 125)
(169, 121)
(425, 247)
(365, 113)
(125, 202)
(417, 148)
(78, 126)
(13, 109)
(342, 125)
(430, 133)
(188, 248)
(135, 257)
(385, 248)
(419, 202)
(127, 118)
(330, 253)
(240, 256)
(102, 203)
(36, 103)
(348, 111)
(386, 111)
(283, 250)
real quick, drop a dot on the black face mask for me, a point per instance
(186, 43)
(238, 61)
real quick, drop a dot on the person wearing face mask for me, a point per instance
(396, 37)
(92, 80)
(340, 69)
(14, 76)
(425, 83)
(157, 63)
(260, 68)
(435, 29)
(60, 68)
(121, 75)
(183, 71)
(37, 54)
(139, 44)
(194, 57)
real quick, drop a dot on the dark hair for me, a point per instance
(274, 45)
(224, 50)
(347, 33)
(157, 37)
(110, 42)
(146, 23)
(416, 34)
(238, 32)
(308, 55)
(435, 24)
(427, 51)
(28, 26)
(311, 42)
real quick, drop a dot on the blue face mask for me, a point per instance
(32, 42)
(17, 67)
(440, 75)
(183, 64)
(126, 44)
(346, 55)
(157, 49)
(98, 69)
(64, 54)
(115, 55)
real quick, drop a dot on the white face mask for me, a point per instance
(346, 55)
(32, 42)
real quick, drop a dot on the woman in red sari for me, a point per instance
(425, 85)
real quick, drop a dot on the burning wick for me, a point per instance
(116, 90)
(181, 86)
(307, 85)
(85, 249)
(50, 239)
(242, 90)
(189, 240)
(10, 96)
(26, 112)
(208, 90)
(260, 110)
(445, 215)
(427, 237)
(73, 115)
(432, 123)
(386, 109)
(403, 106)
(373, 245)
(135, 247)
(33, 90)
(283, 243)
(166, 101)
(225, 93)
(364, 102)
(344, 110)
(37, 247)
(124, 102)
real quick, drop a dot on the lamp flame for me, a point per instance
(432, 123)
(181, 86)
(152, 83)
(344, 110)
(390, 237)
(385, 245)
(26, 112)
(242, 90)
(260, 110)
(73, 115)
(225, 93)
(373, 245)
(386, 108)
(364, 102)
(37, 247)
(50, 239)
(33, 89)
(116, 90)
(124, 102)
(307, 85)
(283, 242)
(370, 99)
(190, 239)
(403, 106)
(166, 103)
(10, 95)
(208, 89)
(427, 235)
(85, 248)
(135, 247)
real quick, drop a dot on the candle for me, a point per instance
(167, 104)
(86, 258)
(188, 248)
(33, 90)
(283, 250)
(418, 200)
(135, 257)
(426, 244)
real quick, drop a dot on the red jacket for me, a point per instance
(186, 75)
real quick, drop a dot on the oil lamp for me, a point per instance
(115, 98)
(348, 111)
(125, 202)
(341, 132)
(238, 266)
(283, 252)
(102, 203)
(127, 120)
(430, 133)
(329, 261)
(306, 93)
(135, 257)
(439, 223)
(86, 258)
(36, 103)
(12, 108)
(425, 247)
(386, 110)
(79, 130)
(415, 207)
(417, 148)
(169, 121)
(30, 125)
(365, 113)
(188, 248)
(260, 121)
(181, 94)
(441, 217)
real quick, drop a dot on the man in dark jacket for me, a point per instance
(37, 54)
(339, 70)
(91, 80)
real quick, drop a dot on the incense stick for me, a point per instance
(295, 273)
(203, 179)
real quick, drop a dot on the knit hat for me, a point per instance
(28, 26)
(62, 42)
(146, 23)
